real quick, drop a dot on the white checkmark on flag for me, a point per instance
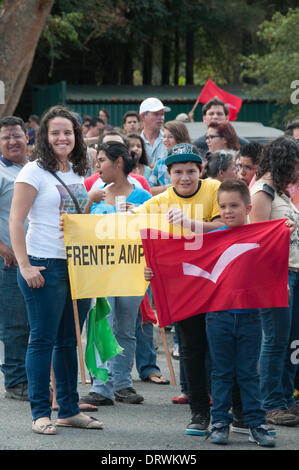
(231, 253)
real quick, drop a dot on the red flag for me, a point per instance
(211, 90)
(241, 268)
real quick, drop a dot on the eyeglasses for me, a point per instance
(244, 167)
(211, 137)
(7, 138)
(168, 137)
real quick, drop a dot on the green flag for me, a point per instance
(101, 339)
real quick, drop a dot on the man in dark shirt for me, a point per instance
(214, 110)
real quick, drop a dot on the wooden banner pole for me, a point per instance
(191, 113)
(78, 334)
(167, 354)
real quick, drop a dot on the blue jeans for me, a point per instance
(122, 319)
(52, 338)
(280, 328)
(234, 345)
(14, 330)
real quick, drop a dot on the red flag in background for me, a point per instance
(241, 268)
(210, 90)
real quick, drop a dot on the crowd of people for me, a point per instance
(65, 162)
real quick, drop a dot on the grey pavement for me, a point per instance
(156, 425)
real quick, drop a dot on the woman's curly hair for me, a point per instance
(43, 151)
(279, 158)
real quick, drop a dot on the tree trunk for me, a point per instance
(22, 22)
(166, 51)
(111, 66)
(189, 57)
(147, 71)
(127, 76)
(176, 73)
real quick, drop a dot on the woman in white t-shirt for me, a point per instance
(42, 273)
(279, 167)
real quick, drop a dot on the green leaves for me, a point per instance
(278, 66)
(59, 29)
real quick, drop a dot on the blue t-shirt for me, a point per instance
(138, 196)
(248, 310)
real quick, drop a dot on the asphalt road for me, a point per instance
(154, 428)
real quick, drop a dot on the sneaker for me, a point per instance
(241, 428)
(96, 399)
(219, 433)
(199, 424)
(19, 392)
(261, 436)
(128, 395)
(282, 418)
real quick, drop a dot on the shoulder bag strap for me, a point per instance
(69, 191)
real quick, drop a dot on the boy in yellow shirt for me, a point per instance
(182, 202)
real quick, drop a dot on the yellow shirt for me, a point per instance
(202, 205)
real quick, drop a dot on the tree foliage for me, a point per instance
(277, 67)
(59, 29)
(166, 42)
(189, 38)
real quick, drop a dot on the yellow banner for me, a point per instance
(105, 253)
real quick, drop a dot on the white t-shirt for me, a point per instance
(43, 235)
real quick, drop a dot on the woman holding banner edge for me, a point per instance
(42, 273)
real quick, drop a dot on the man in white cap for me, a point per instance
(152, 116)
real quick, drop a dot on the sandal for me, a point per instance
(81, 421)
(157, 378)
(43, 428)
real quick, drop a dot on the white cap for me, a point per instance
(152, 105)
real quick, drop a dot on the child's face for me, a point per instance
(136, 146)
(233, 211)
(246, 169)
(105, 167)
(184, 177)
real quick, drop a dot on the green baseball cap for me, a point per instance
(182, 153)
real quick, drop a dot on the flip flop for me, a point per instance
(43, 428)
(157, 375)
(83, 422)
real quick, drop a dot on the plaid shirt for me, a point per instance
(159, 176)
